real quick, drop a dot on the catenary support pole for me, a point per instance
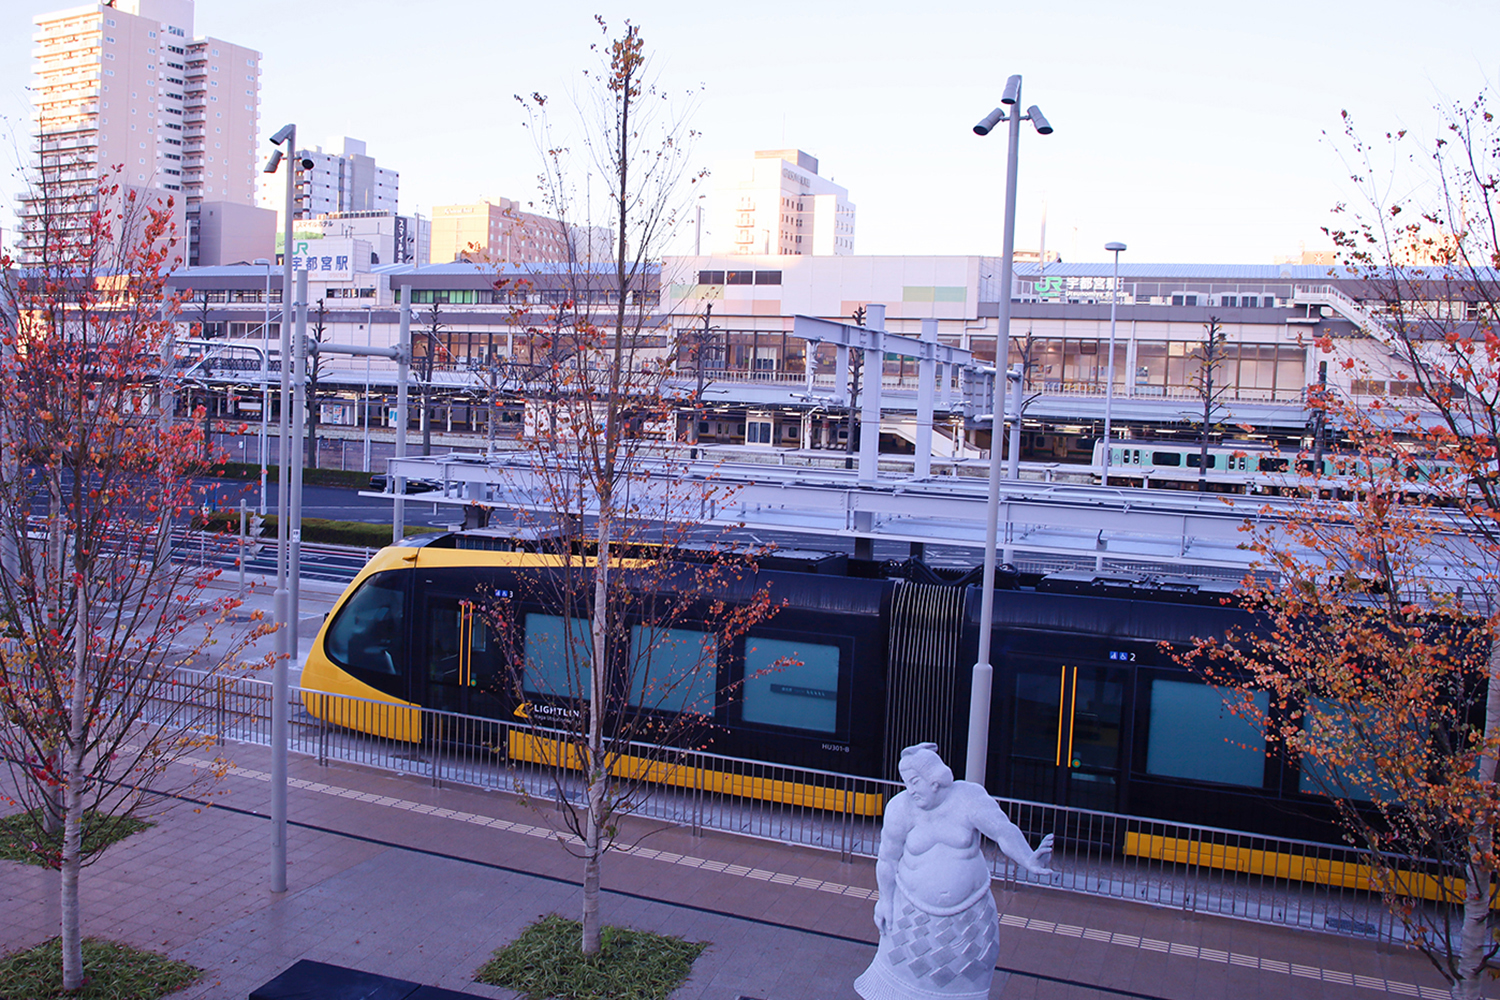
(403, 376)
(926, 377)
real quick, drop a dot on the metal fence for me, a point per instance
(1195, 869)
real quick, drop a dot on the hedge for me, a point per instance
(314, 529)
(310, 477)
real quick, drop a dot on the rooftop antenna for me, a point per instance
(1042, 253)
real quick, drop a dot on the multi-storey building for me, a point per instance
(345, 181)
(500, 230)
(125, 85)
(393, 238)
(776, 204)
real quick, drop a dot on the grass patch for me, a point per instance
(545, 962)
(22, 839)
(112, 971)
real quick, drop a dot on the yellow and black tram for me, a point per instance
(1090, 708)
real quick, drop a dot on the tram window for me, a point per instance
(1036, 716)
(1165, 458)
(557, 663)
(442, 644)
(674, 669)
(1193, 735)
(1273, 465)
(367, 634)
(801, 695)
(1316, 777)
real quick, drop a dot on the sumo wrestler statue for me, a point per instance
(939, 931)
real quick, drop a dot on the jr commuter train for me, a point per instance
(1090, 708)
(1261, 469)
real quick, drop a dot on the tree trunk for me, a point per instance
(72, 850)
(591, 852)
(54, 807)
(598, 767)
(1475, 937)
(1208, 407)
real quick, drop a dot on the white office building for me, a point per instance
(346, 180)
(777, 204)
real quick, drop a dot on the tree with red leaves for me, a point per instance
(98, 623)
(1377, 669)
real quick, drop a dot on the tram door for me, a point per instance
(1067, 735)
(458, 657)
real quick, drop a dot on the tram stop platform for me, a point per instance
(390, 875)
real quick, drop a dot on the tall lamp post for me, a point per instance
(285, 142)
(1109, 377)
(979, 699)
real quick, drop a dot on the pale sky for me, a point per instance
(1191, 131)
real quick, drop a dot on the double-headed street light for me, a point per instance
(979, 699)
(1109, 378)
(285, 141)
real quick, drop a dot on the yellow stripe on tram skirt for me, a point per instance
(544, 750)
(1296, 867)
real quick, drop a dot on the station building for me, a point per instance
(728, 325)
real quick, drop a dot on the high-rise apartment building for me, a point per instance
(498, 229)
(125, 84)
(777, 204)
(345, 181)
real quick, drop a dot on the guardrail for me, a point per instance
(1195, 869)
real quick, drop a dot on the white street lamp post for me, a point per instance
(1109, 376)
(979, 699)
(285, 620)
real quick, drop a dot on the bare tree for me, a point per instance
(630, 664)
(428, 362)
(315, 364)
(96, 620)
(856, 369)
(1209, 387)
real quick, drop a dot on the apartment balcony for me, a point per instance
(86, 125)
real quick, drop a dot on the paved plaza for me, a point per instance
(392, 875)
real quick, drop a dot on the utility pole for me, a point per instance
(700, 340)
